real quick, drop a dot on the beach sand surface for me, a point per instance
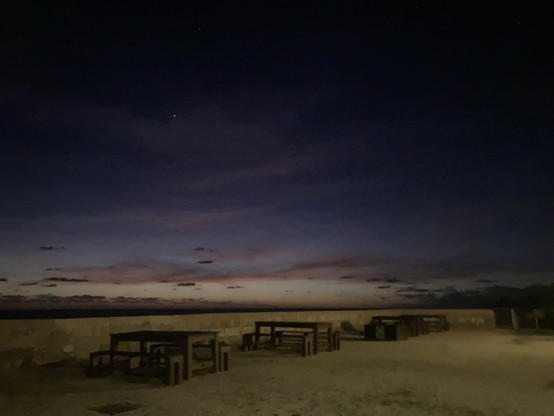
(461, 373)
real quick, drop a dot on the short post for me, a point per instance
(224, 357)
(276, 338)
(248, 342)
(307, 345)
(187, 356)
(174, 369)
(336, 340)
(214, 347)
(134, 362)
(96, 363)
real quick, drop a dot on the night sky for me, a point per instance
(256, 153)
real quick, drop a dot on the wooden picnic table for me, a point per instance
(181, 339)
(316, 327)
(436, 322)
(418, 324)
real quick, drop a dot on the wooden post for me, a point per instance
(187, 358)
(515, 320)
(142, 353)
(257, 334)
(215, 353)
(113, 347)
(316, 338)
(224, 357)
(306, 345)
(248, 342)
(174, 369)
(336, 340)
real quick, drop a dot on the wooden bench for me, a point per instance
(224, 352)
(172, 363)
(292, 338)
(295, 339)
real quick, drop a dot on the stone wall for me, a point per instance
(42, 341)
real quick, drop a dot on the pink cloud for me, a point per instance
(158, 218)
(132, 272)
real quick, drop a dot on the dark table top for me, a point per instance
(161, 336)
(294, 324)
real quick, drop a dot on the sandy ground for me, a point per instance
(463, 373)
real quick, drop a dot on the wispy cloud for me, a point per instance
(273, 168)
(134, 272)
(334, 263)
(485, 281)
(169, 219)
(65, 280)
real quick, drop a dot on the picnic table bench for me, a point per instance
(293, 334)
(435, 323)
(171, 351)
(170, 362)
(416, 324)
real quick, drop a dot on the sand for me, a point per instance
(465, 373)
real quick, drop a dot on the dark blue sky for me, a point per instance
(296, 153)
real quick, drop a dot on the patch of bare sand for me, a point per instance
(460, 373)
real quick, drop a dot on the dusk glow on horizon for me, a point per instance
(274, 154)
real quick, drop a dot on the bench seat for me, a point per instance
(172, 363)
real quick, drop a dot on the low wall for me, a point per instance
(41, 341)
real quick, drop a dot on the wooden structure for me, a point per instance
(309, 335)
(398, 327)
(171, 363)
(435, 323)
(376, 331)
(170, 350)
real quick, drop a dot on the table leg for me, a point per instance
(215, 353)
(257, 334)
(113, 347)
(316, 339)
(187, 358)
(142, 351)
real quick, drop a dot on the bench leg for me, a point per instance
(276, 339)
(99, 364)
(224, 358)
(336, 341)
(134, 362)
(248, 342)
(187, 357)
(307, 346)
(96, 363)
(174, 370)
